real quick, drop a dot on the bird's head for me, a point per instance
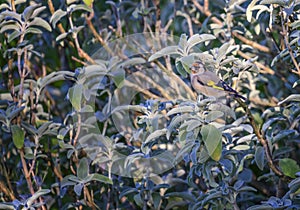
(197, 67)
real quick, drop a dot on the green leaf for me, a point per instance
(18, 136)
(37, 11)
(183, 42)
(175, 121)
(249, 10)
(193, 124)
(222, 51)
(39, 193)
(197, 39)
(33, 31)
(58, 14)
(75, 7)
(260, 157)
(101, 178)
(156, 197)
(187, 62)
(289, 167)
(280, 2)
(213, 115)
(180, 68)
(212, 138)
(156, 134)
(13, 35)
(88, 3)
(13, 15)
(285, 135)
(4, 6)
(40, 22)
(83, 169)
(78, 188)
(184, 195)
(261, 207)
(118, 77)
(127, 191)
(14, 112)
(165, 51)
(12, 26)
(7, 206)
(293, 97)
(138, 200)
(182, 109)
(75, 96)
(28, 12)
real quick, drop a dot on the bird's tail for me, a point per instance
(231, 91)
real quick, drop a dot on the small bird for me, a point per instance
(208, 83)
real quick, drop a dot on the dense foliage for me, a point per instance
(97, 109)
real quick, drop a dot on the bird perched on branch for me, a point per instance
(208, 83)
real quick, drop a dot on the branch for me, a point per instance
(265, 69)
(7, 191)
(251, 43)
(206, 12)
(59, 25)
(287, 44)
(260, 138)
(96, 34)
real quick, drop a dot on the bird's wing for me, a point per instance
(210, 79)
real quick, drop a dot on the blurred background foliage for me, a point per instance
(97, 110)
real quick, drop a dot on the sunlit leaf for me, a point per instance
(18, 136)
(27, 13)
(78, 188)
(75, 96)
(88, 3)
(213, 115)
(165, 51)
(40, 22)
(212, 138)
(197, 39)
(260, 157)
(83, 168)
(57, 15)
(101, 178)
(34, 197)
(280, 2)
(249, 10)
(289, 167)
(293, 97)
(156, 134)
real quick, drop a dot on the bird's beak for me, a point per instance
(194, 67)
